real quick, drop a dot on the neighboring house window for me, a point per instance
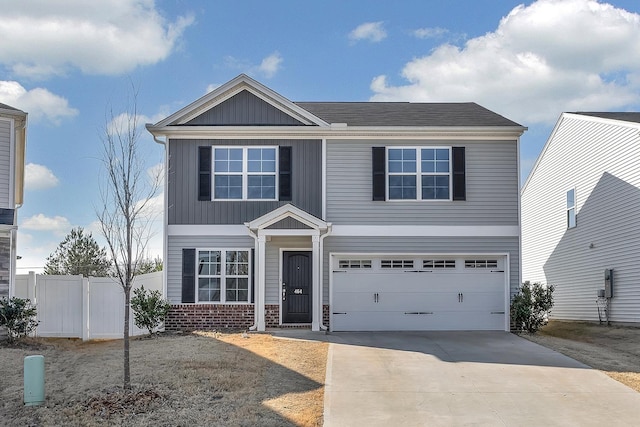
(419, 173)
(571, 208)
(244, 173)
(223, 276)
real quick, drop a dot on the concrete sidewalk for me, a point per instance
(465, 379)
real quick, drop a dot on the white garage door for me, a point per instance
(392, 293)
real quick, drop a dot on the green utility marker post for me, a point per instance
(33, 380)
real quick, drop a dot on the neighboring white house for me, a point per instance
(581, 215)
(13, 123)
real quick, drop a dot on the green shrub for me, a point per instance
(18, 316)
(531, 306)
(149, 309)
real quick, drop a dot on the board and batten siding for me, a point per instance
(182, 199)
(175, 244)
(600, 160)
(427, 245)
(6, 182)
(244, 109)
(491, 186)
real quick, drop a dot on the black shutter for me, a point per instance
(378, 155)
(459, 178)
(253, 275)
(188, 275)
(204, 173)
(284, 176)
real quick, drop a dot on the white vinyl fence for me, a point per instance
(78, 307)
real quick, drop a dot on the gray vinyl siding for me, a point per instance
(491, 183)
(432, 245)
(182, 198)
(244, 109)
(5, 163)
(603, 170)
(174, 256)
(272, 271)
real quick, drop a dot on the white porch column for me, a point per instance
(316, 285)
(260, 289)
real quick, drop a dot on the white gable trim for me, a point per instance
(233, 87)
(287, 211)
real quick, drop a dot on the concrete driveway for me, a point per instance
(466, 379)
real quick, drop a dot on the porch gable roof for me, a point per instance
(287, 211)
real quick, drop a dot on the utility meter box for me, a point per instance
(608, 283)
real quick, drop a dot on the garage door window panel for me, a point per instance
(354, 264)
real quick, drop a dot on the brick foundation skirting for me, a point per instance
(191, 317)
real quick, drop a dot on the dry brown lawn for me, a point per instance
(199, 379)
(615, 350)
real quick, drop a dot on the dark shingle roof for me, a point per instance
(406, 114)
(625, 117)
(7, 107)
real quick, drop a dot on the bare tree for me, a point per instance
(127, 191)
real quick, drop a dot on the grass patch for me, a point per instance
(178, 380)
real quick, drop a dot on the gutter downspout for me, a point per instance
(165, 224)
(323, 327)
(254, 327)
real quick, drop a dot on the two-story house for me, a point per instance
(13, 125)
(340, 215)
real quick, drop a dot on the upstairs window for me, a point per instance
(421, 173)
(244, 173)
(571, 208)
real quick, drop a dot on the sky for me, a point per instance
(73, 65)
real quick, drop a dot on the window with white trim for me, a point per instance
(245, 173)
(419, 173)
(223, 276)
(571, 208)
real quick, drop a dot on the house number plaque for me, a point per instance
(297, 291)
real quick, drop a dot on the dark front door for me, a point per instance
(296, 287)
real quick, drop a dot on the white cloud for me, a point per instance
(270, 65)
(39, 177)
(372, 31)
(551, 56)
(429, 33)
(267, 68)
(39, 102)
(58, 225)
(41, 38)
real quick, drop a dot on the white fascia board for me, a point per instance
(287, 211)
(544, 150)
(317, 132)
(231, 88)
(604, 120)
(426, 230)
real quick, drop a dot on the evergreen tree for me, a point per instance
(149, 265)
(78, 253)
